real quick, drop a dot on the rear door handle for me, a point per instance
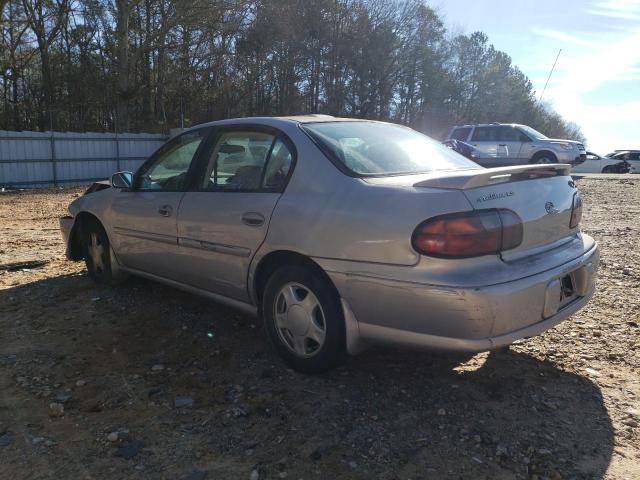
(165, 210)
(253, 219)
(502, 144)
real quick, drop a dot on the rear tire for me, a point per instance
(98, 255)
(544, 158)
(304, 320)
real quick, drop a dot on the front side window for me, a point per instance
(371, 148)
(508, 134)
(533, 133)
(461, 134)
(168, 171)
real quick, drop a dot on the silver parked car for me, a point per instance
(343, 234)
(501, 144)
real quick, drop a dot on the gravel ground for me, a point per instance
(143, 381)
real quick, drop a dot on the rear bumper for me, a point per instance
(390, 312)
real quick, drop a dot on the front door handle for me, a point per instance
(253, 219)
(165, 210)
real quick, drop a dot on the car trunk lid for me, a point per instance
(542, 196)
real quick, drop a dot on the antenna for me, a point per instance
(549, 77)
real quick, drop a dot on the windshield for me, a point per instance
(369, 148)
(532, 133)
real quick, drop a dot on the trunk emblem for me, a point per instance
(550, 208)
(494, 196)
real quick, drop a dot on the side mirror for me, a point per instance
(122, 180)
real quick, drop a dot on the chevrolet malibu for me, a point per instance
(344, 233)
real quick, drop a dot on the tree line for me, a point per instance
(152, 65)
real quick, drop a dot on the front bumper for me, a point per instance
(573, 157)
(66, 224)
(391, 312)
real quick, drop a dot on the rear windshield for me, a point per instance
(369, 148)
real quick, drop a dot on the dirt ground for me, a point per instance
(144, 381)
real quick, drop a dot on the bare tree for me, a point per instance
(155, 64)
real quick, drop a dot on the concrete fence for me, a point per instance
(51, 159)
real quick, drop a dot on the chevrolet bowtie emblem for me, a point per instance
(550, 208)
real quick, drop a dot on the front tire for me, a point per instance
(304, 319)
(544, 158)
(98, 255)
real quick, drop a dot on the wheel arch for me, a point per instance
(268, 264)
(271, 262)
(74, 247)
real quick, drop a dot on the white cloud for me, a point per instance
(582, 73)
(619, 9)
(590, 66)
(563, 37)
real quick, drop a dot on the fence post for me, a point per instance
(53, 160)
(117, 153)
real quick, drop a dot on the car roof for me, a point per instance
(280, 121)
(617, 152)
(496, 124)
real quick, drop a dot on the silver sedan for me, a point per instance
(344, 233)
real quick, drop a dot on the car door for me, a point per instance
(510, 144)
(592, 164)
(223, 221)
(484, 138)
(633, 159)
(144, 218)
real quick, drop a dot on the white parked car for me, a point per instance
(631, 157)
(597, 164)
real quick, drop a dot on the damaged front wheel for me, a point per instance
(98, 255)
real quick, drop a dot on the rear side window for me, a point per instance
(371, 148)
(237, 161)
(247, 161)
(461, 134)
(278, 166)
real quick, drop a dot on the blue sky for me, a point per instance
(596, 82)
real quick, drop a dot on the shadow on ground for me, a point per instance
(193, 389)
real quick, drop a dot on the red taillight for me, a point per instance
(576, 210)
(468, 234)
